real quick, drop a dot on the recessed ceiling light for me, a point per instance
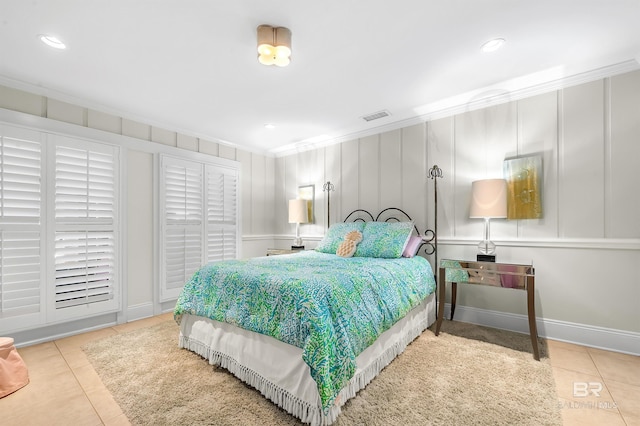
(270, 126)
(493, 45)
(52, 41)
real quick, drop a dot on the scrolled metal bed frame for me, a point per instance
(391, 214)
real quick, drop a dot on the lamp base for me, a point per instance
(297, 247)
(486, 247)
(297, 242)
(486, 258)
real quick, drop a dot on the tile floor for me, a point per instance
(594, 387)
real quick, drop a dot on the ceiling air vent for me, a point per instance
(376, 115)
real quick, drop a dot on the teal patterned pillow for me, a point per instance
(384, 239)
(335, 236)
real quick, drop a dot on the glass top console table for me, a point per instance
(503, 275)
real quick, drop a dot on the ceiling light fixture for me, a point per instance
(52, 41)
(270, 126)
(493, 45)
(274, 45)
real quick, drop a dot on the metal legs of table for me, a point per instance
(531, 313)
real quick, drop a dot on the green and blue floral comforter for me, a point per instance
(331, 307)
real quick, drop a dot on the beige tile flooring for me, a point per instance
(65, 390)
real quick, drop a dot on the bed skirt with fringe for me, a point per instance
(251, 357)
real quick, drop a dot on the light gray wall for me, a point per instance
(140, 206)
(587, 245)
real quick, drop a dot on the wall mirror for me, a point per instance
(307, 192)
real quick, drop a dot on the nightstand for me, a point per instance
(275, 252)
(502, 275)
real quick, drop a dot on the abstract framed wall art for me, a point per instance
(524, 187)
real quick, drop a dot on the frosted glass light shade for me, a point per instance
(281, 62)
(274, 45)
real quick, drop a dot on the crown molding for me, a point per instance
(524, 87)
(471, 101)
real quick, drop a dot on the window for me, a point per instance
(58, 228)
(21, 227)
(222, 232)
(182, 220)
(199, 219)
(85, 230)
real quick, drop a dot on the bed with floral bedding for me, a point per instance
(309, 330)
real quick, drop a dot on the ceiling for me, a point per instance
(191, 66)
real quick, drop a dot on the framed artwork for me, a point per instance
(307, 192)
(524, 186)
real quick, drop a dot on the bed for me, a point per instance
(309, 330)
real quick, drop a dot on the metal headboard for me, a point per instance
(429, 238)
(394, 214)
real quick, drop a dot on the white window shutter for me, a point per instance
(84, 268)
(198, 205)
(183, 193)
(85, 240)
(20, 281)
(21, 246)
(222, 227)
(20, 180)
(183, 245)
(85, 186)
(182, 214)
(58, 228)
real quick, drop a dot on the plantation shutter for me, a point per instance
(182, 209)
(84, 268)
(85, 186)
(20, 226)
(85, 210)
(199, 210)
(19, 273)
(20, 181)
(222, 229)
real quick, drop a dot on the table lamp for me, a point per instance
(488, 201)
(298, 214)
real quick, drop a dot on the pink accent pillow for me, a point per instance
(412, 247)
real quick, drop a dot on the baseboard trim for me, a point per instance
(140, 311)
(48, 333)
(580, 334)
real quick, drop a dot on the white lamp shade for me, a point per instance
(298, 211)
(489, 199)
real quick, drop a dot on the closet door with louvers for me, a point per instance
(181, 209)
(22, 266)
(85, 238)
